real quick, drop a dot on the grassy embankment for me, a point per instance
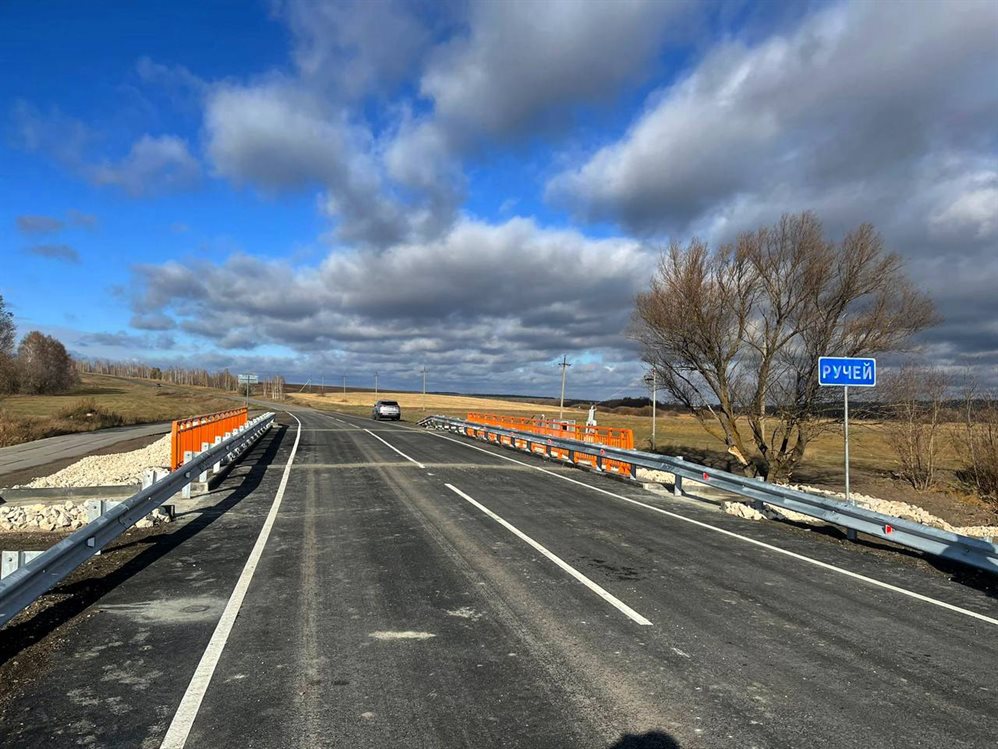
(102, 401)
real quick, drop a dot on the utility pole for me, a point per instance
(423, 406)
(564, 369)
(344, 384)
(375, 385)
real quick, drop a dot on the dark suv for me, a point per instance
(386, 410)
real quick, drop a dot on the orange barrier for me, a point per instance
(609, 436)
(191, 434)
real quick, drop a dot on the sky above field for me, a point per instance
(327, 189)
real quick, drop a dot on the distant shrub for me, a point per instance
(15, 430)
(980, 446)
(88, 411)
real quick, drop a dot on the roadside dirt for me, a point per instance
(30, 641)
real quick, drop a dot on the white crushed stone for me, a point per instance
(658, 477)
(901, 510)
(905, 511)
(117, 469)
(65, 517)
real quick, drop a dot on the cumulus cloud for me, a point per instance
(39, 224)
(280, 136)
(520, 66)
(860, 113)
(61, 252)
(856, 90)
(154, 165)
(484, 299)
(357, 47)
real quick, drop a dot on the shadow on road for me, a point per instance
(82, 594)
(650, 740)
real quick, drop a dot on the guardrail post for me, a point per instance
(757, 504)
(186, 491)
(203, 476)
(677, 482)
(850, 534)
(218, 466)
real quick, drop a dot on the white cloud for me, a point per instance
(856, 90)
(353, 48)
(523, 64)
(484, 299)
(155, 164)
(277, 136)
(973, 211)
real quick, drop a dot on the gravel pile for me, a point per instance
(68, 516)
(907, 511)
(64, 517)
(901, 510)
(109, 470)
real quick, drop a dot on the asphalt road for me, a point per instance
(48, 450)
(424, 591)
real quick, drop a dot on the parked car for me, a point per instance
(386, 410)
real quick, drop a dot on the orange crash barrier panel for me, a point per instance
(191, 434)
(608, 436)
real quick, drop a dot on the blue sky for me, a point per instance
(320, 189)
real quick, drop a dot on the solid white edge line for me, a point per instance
(187, 712)
(394, 448)
(597, 589)
(763, 544)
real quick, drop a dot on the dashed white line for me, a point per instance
(411, 460)
(746, 539)
(183, 720)
(598, 590)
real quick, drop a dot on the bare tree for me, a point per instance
(44, 366)
(8, 333)
(915, 400)
(735, 334)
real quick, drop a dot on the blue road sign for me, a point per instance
(844, 371)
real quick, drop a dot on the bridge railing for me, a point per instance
(973, 551)
(189, 435)
(19, 589)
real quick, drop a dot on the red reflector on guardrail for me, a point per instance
(888, 529)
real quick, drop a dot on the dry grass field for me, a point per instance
(109, 401)
(414, 407)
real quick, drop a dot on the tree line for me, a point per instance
(39, 364)
(220, 380)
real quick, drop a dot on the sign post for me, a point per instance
(846, 372)
(651, 380)
(247, 380)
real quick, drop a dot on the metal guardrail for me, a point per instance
(19, 589)
(973, 551)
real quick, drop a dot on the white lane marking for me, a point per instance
(746, 539)
(183, 720)
(395, 449)
(598, 590)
